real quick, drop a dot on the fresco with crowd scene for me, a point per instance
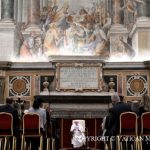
(82, 27)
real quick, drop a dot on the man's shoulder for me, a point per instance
(2, 107)
(121, 105)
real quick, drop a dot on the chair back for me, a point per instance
(31, 124)
(128, 123)
(6, 124)
(145, 123)
(139, 125)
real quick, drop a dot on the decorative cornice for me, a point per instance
(32, 65)
(76, 59)
(5, 24)
(124, 65)
(5, 64)
(51, 66)
(147, 64)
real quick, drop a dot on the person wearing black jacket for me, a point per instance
(114, 120)
(8, 108)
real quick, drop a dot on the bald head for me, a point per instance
(115, 99)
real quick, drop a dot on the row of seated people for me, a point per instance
(44, 115)
(111, 122)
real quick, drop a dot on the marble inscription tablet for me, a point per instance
(78, 76)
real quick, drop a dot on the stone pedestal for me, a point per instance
(140, 35)
(8, 40)
(116, 32)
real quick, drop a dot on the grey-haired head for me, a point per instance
(115, 99)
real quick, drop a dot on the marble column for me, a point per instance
(25, 11)
(34, 12)
(116, 11)
(8, 31)
(19, 10)
(109, 6)
(0, 8)
(117, 31)
(15, 9)
(147, 12)
(7, 9)
(33, 17)
(41, 5)
(142, 9)
(45, 2)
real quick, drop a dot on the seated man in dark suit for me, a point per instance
(8, 108)
(118, 108)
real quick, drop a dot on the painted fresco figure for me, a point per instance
(97, 41)
(101, 40)
(38, 46)
(43, 17)
(77, 36)
(27, 48)
(50, 44)
(107, 24)
(48, 16)
(130, 52)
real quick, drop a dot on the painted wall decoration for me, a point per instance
(19, 86)
(137, 85)
(70, 28)
(77, 27)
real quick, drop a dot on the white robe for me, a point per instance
(78, 139)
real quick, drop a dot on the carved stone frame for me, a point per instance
(99, 75)
(2, 88)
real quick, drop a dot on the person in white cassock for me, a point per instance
(78, 139)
